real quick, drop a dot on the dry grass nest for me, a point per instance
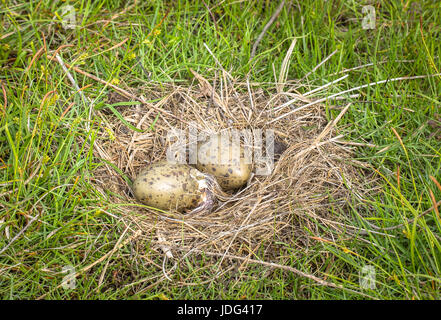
(306, 196)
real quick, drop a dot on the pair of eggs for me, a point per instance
(221, 165)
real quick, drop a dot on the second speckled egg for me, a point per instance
(226, 160)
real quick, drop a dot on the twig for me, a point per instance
(266, 27)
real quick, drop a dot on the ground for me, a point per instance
(54, 222)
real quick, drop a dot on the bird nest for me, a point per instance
(307, 194)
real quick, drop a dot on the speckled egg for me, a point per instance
(165, 186)
(225, 160)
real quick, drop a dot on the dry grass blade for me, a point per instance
(344, 92)
(285, 67)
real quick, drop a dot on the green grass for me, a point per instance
(45, 170)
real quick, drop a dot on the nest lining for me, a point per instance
(312, 182)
